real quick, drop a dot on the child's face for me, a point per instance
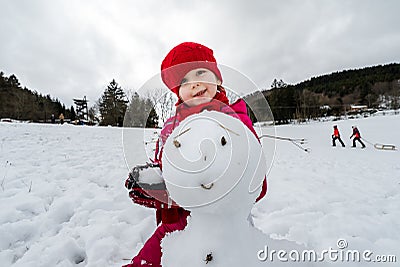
(198, 86)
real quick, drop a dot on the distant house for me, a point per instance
(358, 108)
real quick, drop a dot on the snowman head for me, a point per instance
(212, 160)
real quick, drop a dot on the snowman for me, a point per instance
(214, 166)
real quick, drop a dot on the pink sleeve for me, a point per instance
(239, 110)
(167, 129)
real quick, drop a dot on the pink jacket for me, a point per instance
(237, 110)
(175, 218)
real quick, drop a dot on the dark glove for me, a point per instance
(133, 177)
(141, 197)
(148, 195)
(132, 180)
(157, 198)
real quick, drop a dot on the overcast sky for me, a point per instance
(72, 48)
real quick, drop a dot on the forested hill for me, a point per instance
(348, 81)
(377, 86)
(23, 104)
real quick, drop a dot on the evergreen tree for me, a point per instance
(72, 114)
(152, 119)
(278, 84)
(112, 105)
(13, 81)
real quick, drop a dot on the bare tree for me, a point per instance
(231, 95)
(163, 101)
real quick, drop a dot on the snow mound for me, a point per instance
(210, 159)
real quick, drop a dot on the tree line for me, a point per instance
(377, 86)
(113, 107)
(116, 109)
(23, 104)
(332, 94)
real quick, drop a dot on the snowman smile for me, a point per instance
(207, 186)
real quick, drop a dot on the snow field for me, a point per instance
(63, 201)
(333, 192)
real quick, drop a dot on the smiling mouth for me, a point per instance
(200, 93)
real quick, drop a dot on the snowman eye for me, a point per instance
(177, 144)
(223, 141)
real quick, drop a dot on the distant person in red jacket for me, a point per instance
(336, 136)
(357, 137)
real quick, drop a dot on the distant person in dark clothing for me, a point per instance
(61, 117)
(53, 119)
(357, 137)
(336, 136)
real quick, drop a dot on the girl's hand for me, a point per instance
(148, 174)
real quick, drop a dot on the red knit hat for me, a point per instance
(184, 58)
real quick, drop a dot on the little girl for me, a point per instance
(191, 72)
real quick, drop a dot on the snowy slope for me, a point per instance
(333, 192)
(62, 200)
(77, 209)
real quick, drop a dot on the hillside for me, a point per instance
(24, 104)
(377, 86)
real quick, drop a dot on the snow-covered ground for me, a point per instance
(63, 201)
